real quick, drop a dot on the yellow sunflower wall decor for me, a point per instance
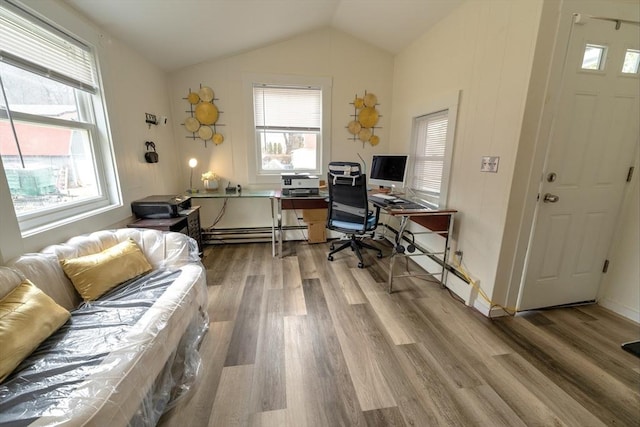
(365, 119)
(203, 116)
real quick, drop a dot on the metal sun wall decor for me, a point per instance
(365, 119)
(203, 116)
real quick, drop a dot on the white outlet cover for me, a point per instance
(489, 164)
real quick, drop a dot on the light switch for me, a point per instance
(489, 164)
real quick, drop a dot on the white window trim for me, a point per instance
(324, 83)
(448, 102)
(103, 149)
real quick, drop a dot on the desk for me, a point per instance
(436, 220)
(281, 202)
(318, 201)
(244, 194)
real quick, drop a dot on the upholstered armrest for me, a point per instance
(162, 249)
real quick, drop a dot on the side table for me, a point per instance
(187, 223)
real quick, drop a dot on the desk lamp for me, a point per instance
(192, 164)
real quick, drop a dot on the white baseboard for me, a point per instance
(622, 310)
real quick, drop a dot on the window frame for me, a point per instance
(92, 109)
(254, 161)
(448, 103)
(625, 51)
(603, 57)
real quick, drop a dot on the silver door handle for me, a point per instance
(550, 198)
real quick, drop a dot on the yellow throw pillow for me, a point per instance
(27, 317)
(93, 275)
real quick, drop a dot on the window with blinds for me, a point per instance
(53, 155)
(430, 155)
(29, 43)
(288, 128)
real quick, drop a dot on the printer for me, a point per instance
(299, 184)
(160, 206)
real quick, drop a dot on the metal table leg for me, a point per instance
(273, 229)
(445, 256)
(394, 251)
(280, 227)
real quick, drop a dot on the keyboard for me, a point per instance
(383, 196)
(409, 206)
(397, 203)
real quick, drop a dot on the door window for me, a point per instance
(594, 57)
(631, 61)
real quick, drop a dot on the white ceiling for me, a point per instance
(176, 33)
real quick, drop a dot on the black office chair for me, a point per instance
(349, 208)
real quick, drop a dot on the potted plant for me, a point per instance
(210, 181)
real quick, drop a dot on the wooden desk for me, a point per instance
(318, 201)
(435, 220)
(187, 223)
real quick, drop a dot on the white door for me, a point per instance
(593, 137)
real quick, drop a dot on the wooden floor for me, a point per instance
(301, 341)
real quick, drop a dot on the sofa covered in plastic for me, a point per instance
(122, 359)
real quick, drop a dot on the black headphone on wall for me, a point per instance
(411, 248)
(151, 156)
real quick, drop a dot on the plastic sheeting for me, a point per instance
(123, 359)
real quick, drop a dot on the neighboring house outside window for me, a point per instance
(54, 151)
(290, 126)
(432, 150)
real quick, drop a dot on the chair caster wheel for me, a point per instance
(379, 255)
(360, 265)
(330, 257)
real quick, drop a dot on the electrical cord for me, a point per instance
(511, 311)
(295, 212)
(220, 214)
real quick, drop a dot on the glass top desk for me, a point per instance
(437, 221)
(243, 194)
(278, 201)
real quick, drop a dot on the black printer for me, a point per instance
(160, 206)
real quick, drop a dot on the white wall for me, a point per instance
(620, 290)
(132, 87)
(485, 49)
(353, 66)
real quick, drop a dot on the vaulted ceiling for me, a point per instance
(176, 33)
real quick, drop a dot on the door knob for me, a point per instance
(550, 198)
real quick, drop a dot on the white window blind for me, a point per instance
(287, 108)
(29, 43)
(430, 149)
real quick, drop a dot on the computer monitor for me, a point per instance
(388, 170)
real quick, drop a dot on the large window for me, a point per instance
(288, 123)
(52, 150)
(432, 149)
(289, 119)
